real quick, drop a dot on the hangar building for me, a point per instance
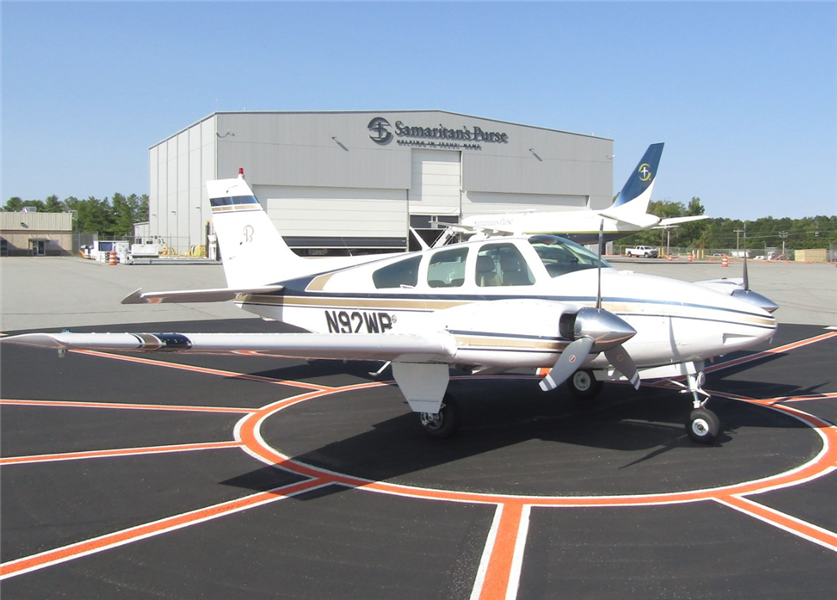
(332, 181)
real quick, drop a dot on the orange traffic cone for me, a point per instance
(112, 258)
(725, 261)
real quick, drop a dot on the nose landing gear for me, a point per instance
(703, 425)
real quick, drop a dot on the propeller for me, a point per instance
(749, 295)
(595, 330)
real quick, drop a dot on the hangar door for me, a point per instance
(319, 217)
(435, 193)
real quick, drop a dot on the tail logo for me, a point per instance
(248, 234)
(645, 172)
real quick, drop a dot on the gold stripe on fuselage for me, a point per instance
(623, 308)
(360, 303)
(487, 341)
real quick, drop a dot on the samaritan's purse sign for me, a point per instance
(382, 133)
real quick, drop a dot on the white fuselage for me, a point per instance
(516, 325)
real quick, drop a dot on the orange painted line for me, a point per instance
(126, 536)
(125, 406)
(203, 370)
(770, 352)
(497, 576)
(812, 533)
(42, 458)
(806, 397)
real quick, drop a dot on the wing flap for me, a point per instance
(439, 347)
(182, 296)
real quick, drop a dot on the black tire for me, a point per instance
(584, 385)
(444, 424)
(703, 426)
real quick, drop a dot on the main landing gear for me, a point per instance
(443, 424)
(584, 385)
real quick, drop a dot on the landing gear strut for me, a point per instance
(443, 424)
(703, 425)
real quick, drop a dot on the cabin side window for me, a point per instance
(447, 268)
(502, 265)
(402, 274)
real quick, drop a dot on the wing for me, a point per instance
(211, 295)
(439, 347)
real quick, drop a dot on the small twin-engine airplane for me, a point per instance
(493, 305)
(628, 214)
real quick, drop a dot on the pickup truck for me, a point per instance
(643, 252)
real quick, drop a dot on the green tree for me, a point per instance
(93, 215)
(16, 204)
(53, 205)
(13, 204)
(129, 210)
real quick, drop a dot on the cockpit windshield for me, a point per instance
(561, 256)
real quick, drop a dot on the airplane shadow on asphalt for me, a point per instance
(515, 439)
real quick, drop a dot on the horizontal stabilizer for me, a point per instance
(396, 347)
(641, 220)
(670, 222)
(183, 296)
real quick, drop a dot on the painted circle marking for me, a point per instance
(248, 432)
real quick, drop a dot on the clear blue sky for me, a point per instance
(743, 94)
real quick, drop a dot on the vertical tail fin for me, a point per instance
(636, 193)
(252, 250)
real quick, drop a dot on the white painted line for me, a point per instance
(519, 550)
(486, 553)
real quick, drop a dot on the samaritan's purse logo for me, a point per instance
(645, 172)
(379, 130)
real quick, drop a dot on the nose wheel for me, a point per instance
(703, 426)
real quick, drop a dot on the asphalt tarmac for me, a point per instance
(180, 476)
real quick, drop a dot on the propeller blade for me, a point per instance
(599, 290)
(746, 276)
(622, 362)
(570, 360)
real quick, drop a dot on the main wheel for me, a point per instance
(703, 426)
(443, 424)
(583, 384)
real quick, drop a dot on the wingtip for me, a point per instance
(40, 340)
(135, 297)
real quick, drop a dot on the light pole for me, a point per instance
(737, 239)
